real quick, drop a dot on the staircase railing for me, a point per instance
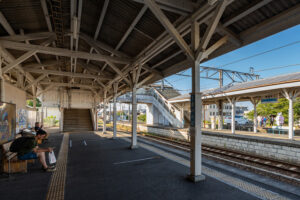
(161, 99)
(151, 96)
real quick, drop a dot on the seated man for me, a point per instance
(37, 128)
(27, 149)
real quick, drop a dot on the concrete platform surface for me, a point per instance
(108, 169)
(98, 167)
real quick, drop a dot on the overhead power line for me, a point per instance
(277, 67)
(261, 53)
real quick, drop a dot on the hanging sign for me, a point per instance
(269, 100)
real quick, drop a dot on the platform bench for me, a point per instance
(10, 161)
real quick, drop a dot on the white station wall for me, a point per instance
(75, 98)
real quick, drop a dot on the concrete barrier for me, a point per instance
(284, 150)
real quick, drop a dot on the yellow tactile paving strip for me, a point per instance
(56, 189)
(232, 181)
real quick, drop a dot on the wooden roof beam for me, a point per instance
(169, 27)
(182, 7)
(63, 52)
(28, 37)
(100, 22)
(71, 74)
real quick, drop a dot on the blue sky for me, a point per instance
(281, 57)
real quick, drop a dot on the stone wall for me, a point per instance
(268, 147)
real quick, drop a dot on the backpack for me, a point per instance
(20, 143)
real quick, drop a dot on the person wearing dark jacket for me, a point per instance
(28, 149)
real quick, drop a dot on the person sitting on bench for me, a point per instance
(27, 149)
(38, 127)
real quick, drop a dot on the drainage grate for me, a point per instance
(57, 184)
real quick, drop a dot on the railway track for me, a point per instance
(279, 170)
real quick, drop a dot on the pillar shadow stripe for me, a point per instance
(57, 184)
(232, 181)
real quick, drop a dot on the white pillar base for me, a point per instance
(196, 178)
(134, 147)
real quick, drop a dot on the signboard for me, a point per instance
(269, 100)
(7, 122)
(22, 116)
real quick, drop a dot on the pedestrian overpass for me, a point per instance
(77, 54)
(158, 111)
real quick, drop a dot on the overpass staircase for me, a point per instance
(158, 98)
(77, 120)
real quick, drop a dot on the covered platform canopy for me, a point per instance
(283, 86)
(112, 46)
(93, 44)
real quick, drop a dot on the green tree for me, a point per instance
(274, 108)
(38, 103)
(119, 113)
(142, 118)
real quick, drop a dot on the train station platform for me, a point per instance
(258, 134)
(91, 165)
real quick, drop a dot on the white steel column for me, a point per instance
(233, 117)
(1, 82)
(232, 102)
(34, 102)
(291, 96)
(115, 110)
(109, 105)
(134, 119)
(196, 113)
(61, 121)
(291, 118)
(96, 119)
(220, 117)
(254, 119)
(149, 114)
(104, 112)
(195, 126)
(254, 102)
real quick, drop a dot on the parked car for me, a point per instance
(238, 120)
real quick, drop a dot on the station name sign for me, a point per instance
(269, 100)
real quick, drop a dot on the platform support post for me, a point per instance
(254, 102)
(255, 119)
(291, 119)
(195, 126)
(115, 110)
(149, 114)
(291, 95)
(233, 117)
(61, 120)
(134, 119)
(134, 84)
(104, 111)
(61, 109)
(232, 102)
(2, 92)
(220, 117)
